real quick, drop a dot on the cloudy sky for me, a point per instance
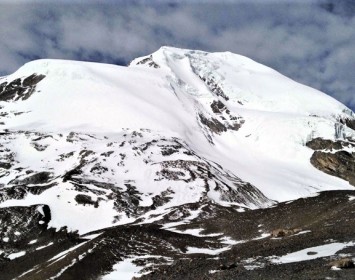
(311, 41)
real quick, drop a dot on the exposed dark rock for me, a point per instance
(340, 164)
(84, 199)
(328, 216)
(39, 147)
(107, 154)
(235, 126)
(214, 87)
(5, 165)
(27, 231)
(213, 124)
(20, 191)
(69, 174)
(326, 144)
(3, 86)
(17, 90)
(161, 199)
(168, 151)
(32, 80)
(133, 196)
(348, 122)
(47, 214)
(15, 83)
(40, 136)
(218, 107)
(62, 157)
(38, 178)
(98, 169)
(235, 191)
(96, 257)
(230, 265)
(20, 223)
(149, 61)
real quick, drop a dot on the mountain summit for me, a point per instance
(174, 139)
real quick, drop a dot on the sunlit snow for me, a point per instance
(268, 151)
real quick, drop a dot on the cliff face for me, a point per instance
(334, 158)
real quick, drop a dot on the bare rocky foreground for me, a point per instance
(164, 254)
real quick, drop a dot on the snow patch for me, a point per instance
(262, 236)
(16, 255)
(207, 251)
(317, 252)
(126, 269)
(229, 241)
(302, 232)
(195, 232)
(44, 246)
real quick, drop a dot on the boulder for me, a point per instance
(84, 199)
(281, 232)
(343, 263)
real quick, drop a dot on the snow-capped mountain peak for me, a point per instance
(175, 127)
(135, 162)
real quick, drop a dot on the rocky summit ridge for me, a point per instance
(182, 165)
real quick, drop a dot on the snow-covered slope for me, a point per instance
(175, 127)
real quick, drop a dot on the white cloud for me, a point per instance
(299, 39)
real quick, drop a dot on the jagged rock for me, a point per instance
(213, 86)
(20, 191)
(17, 90)
(149, 61)
(213, 124)
(349, 123)
(218, 107)
(340, 164)
(32, 80)
(325, 144)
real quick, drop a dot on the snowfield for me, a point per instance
(245, 122)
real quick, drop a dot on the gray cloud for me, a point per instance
(309, 41)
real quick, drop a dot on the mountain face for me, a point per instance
(109, 172)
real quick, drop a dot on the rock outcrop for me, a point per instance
(340, 163)
(19, 89)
